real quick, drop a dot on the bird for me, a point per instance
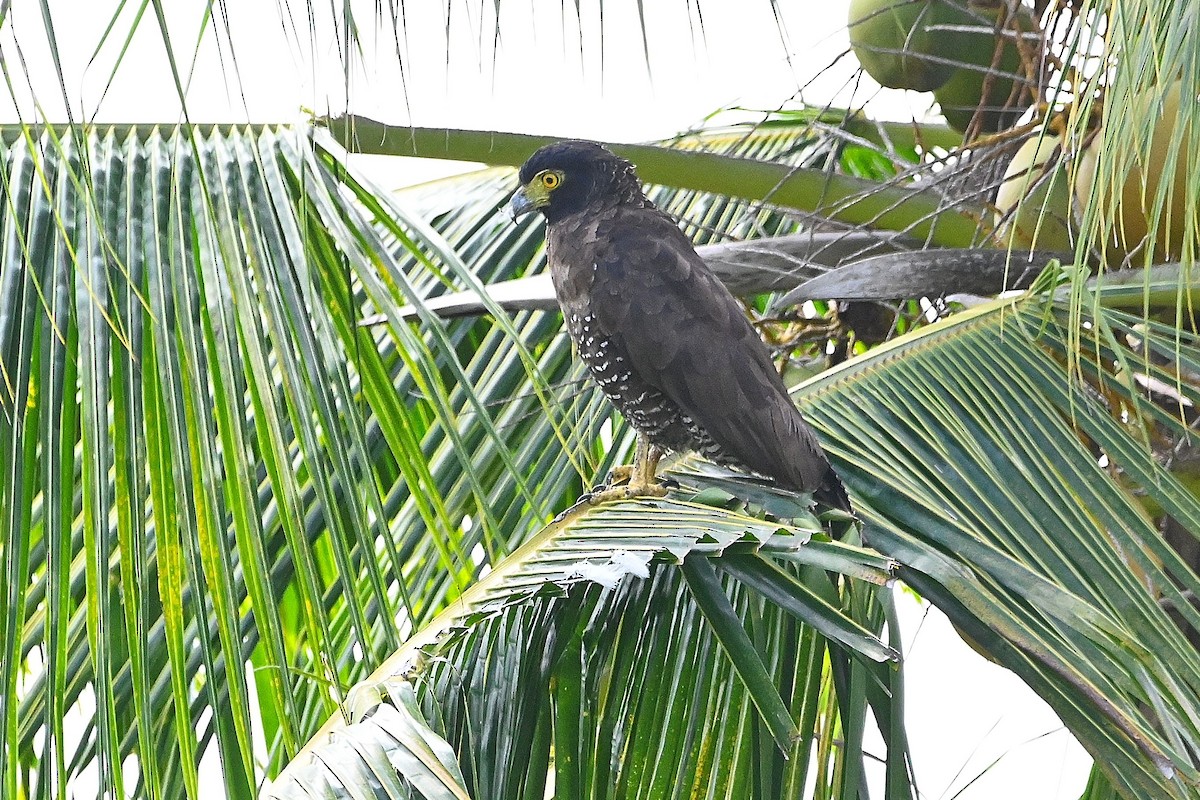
(662, 337)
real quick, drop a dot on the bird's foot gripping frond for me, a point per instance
(622, 473)
(627, 491)
(635, 480)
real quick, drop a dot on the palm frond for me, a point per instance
(921, 213)
(981, 468)
(208, 464)
(590, 657)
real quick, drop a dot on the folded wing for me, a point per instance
(687, 336)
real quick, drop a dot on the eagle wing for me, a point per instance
(686, 335)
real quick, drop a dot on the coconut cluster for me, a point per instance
(969, 54)
(980, 59)
(1034, 203)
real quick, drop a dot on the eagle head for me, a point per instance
(567, 177)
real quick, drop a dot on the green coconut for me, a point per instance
(963, 93)
(892, 40)
(1033, 203)
(1131, 224)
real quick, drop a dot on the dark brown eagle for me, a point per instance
(663, 338)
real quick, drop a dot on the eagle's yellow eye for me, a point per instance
(551, 180)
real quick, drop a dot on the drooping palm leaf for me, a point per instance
(204, 455)
(579, 653)
(979, 465)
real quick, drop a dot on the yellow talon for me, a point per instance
(620, 474)
(636, 479)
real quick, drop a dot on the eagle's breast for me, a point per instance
(573, 265)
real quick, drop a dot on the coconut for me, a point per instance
(1130, 225)
(1033, 203)
(893, 41)
(963, 92)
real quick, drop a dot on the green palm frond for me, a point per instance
(1002, 487)
(208, 465)
(603, 654)
(1130, 101)
(749, 164)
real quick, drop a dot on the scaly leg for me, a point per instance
(640, 476)
(645, 465)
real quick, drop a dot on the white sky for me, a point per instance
(542, 76)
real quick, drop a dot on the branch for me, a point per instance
(921, 214)
(747, 268)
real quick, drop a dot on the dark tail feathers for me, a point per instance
(831, 493)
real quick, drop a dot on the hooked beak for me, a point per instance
(520, 204)
(526, 199)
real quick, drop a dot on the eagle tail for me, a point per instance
(832, 493)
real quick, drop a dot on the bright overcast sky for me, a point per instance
(541, 75)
